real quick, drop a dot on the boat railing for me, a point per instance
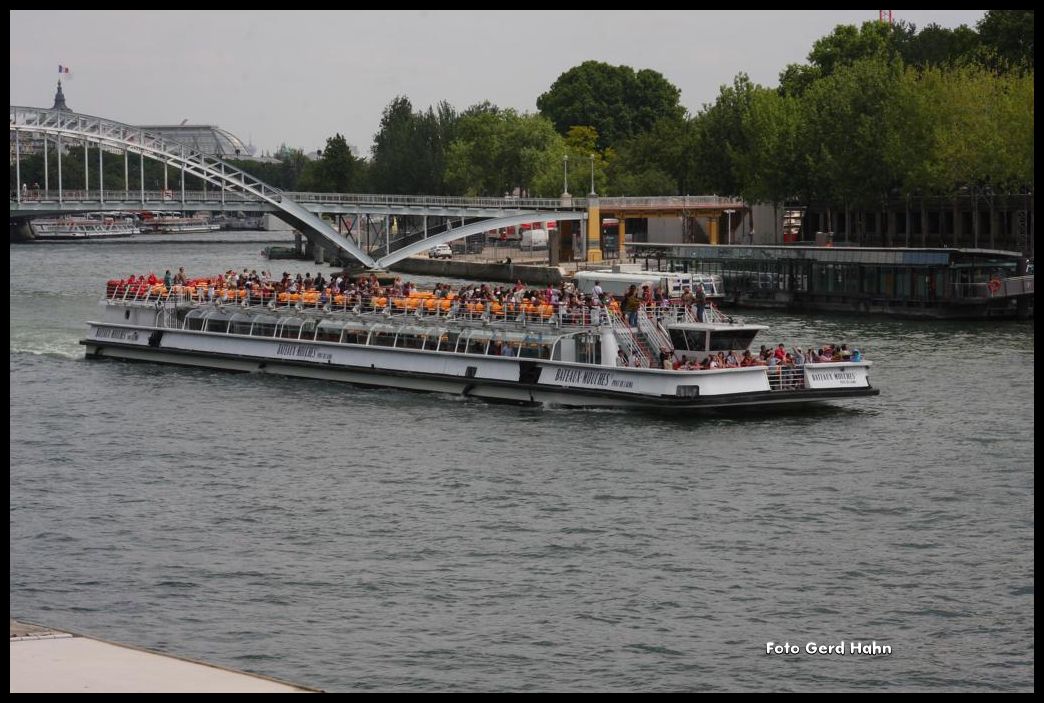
(786, 378)
(625, 337)
(676, 312)
(524, 313)
(995, 287)
(649, 324)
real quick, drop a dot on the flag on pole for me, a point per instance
(63, 70)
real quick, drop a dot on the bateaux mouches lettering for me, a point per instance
(300, 351)
(584, 377)
(843, 377)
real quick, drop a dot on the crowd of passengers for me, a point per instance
(773, 358)
(564, 299)
(365, 287)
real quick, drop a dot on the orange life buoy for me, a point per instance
(994, 285)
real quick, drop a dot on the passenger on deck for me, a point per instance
(701, 302)
(688, 299)
(631, 305)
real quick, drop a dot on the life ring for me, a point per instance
(994, 285)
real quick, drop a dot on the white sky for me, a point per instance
(299, 77)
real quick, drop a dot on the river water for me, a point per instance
(357, 539)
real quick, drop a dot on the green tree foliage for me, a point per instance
(616, 101)
(498, 151)
(580, 146)
(338, 167)
(1007, 37)
(843, 132)
(661, 158)
(721, 136)
(939, 46)
(409, 151)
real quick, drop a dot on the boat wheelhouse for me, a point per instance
(518, 352)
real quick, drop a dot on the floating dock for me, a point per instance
(45, 660)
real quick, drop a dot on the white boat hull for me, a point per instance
(493, 378)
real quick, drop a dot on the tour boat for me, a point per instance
(518, 352)
(80, 228)
(175, 222)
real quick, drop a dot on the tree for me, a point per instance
(940, 46)
(409, 151)
(614, 100)
(663, 155)
(339, 168)
(497, 151)
(1007, 37)
(721, 136)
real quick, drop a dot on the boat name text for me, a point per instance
(302, 351)
(841, 377)
(117, 333)
(591, 378)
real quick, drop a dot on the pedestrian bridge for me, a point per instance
(229, 189)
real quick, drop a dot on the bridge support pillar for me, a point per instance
(299, 243)
(621, 240)
(21, 231)
(594, 231)
(712, 228)
(317, 251)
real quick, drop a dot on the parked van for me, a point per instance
(534, 239)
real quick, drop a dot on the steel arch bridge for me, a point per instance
(108, 133)
(59, 125)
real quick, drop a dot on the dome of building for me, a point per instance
(211, 140)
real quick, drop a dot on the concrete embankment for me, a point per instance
(531, 274)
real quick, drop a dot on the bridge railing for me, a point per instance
(124, 196)
(671, 202)
(424, 200)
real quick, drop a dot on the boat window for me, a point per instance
(588, 349)
(264, 326)
(328, 331)
(240, 324)
(354, 335)
(382, 336)
(731, 339)
(691, 340)
(308, 329)
(194, 319)
(289, 328)
(535, 350)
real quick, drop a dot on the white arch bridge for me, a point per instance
(53, 132)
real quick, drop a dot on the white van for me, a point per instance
(534, 239)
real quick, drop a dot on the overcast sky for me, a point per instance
(299, 77)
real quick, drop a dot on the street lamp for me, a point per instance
(565, 174)
(728, 227)
(592, 193)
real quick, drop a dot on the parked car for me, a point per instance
(440, 251)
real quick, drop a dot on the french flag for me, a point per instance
(63, 70)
